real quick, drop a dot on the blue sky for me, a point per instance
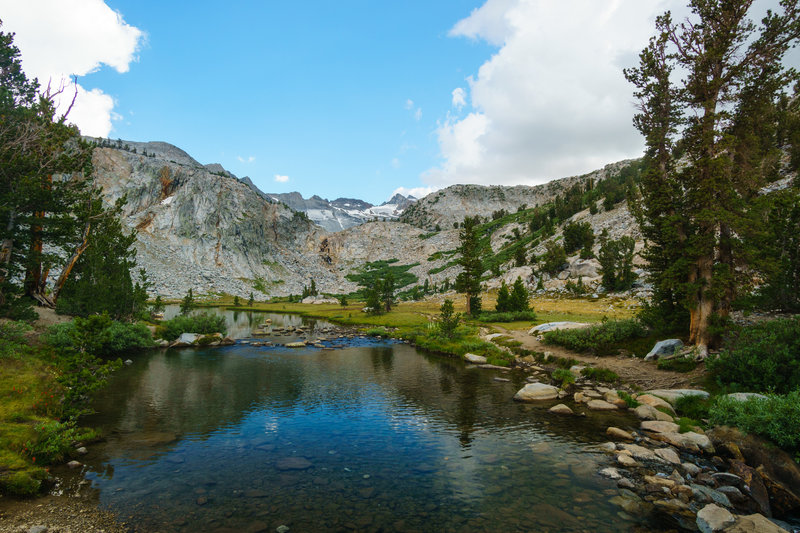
(354, 98)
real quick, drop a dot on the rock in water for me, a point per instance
(664, 348)
(293, 463)
(561, 409)
(713, 518)
(533, 392)
(475, 359)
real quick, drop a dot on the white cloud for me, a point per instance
(62, 38)
(416, 192)
(459, 98)
(395, 162)
(552, 101)
(409, 104)
(418, 114)
(249, 159)
(281, 179)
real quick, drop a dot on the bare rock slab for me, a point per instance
(617, 433)
(601, 405)
(672, 395)
(475, 359)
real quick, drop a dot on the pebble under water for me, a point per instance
(374, 436)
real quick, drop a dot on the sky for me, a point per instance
(354, 98)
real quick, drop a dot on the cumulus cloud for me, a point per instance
(249, 159)
(281, 179)
(416, 192)
(459, 98)
(59, 39)
(552, 101)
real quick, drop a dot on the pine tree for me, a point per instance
(250, 300)
(187, 304)
(698, 84)
(469, 280)
(503, 299)
(519, 296)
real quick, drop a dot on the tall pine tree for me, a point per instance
(698, 83)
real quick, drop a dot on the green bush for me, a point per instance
(628, 399)
(563, 376)
(677, 364)
(760, 358)
(600, 374)
(511, 316)
(54, 440)
(202, 324)
(776, 418)
(13, 335)
(378, 332)
(695, 407)
(99, 335)
(600, 339)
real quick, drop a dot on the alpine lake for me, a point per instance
(372, 435)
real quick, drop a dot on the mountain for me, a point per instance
(199, 226)
(449, 206)
(339, 214)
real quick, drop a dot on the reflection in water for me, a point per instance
(374, 436)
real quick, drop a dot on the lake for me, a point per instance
(374, 436)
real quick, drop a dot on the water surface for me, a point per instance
(372, 437)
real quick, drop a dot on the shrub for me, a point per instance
(599, 339)
(563, 376)
(677, 364)
(511, 316)
(760, 358)
(13, 335)
(99, 335)
(600, 374)
(776, 417)
(54, 440)
(628, 399)
(695, 407)
(378, 332)
(203, 324)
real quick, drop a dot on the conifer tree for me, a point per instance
(519, 296)
(503, 299)
(469, 280)
(696, 81)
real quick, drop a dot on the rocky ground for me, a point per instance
(56, 514)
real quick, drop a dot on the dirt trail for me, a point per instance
(630, 369)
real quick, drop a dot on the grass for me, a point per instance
(677, 364)
(600, 374)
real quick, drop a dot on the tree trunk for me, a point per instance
(62, 278)
(700, 313)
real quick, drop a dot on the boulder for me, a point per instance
(654, 401)
(639, 452)
(552, 326)
(777, 469)
(672, 395)
(744, 396)
(648, 412)
(754, 522)
(187, 338)
(475, 359)
(585, 268)
(668, 454)
(659, 426)
(611, 473)
(627, 461)
(758, 491)
(663, 348)
(561, 409)
(617, 433)
(713, 518)
(690, 441)
(601, 405)
(533, 392)
(300, 344)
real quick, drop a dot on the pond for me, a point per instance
(372, 436)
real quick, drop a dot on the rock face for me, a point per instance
(533, 392)
(200, 227)
(448, 206)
